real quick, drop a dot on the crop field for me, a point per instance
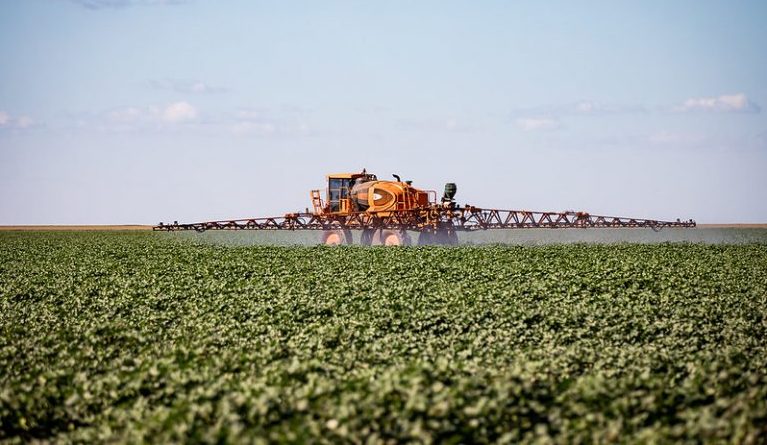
(140, 337)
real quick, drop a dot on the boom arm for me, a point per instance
(466, 218)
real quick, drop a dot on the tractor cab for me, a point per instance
(338, 197)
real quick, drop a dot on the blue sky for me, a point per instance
(137, 111)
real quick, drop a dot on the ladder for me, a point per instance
(317, 203)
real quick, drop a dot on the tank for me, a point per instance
(376, 195)
(450, 190)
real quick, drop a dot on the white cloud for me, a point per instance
(728, 103)
(594, 108)
(183, 115)
(581, 108)
(257, 128)
(24, 122)
(449, 124)
(200, 87)
(126, 115)
(116, 4)
(18, 122)
(250, 114)
(185, 86)
(537, 123)
(676, 138)
(585, 107)
(452, 124)
(179, 112)
(132, 118)
(266, 122)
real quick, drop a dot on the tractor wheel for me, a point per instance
(336, 237)
(388, 237)
(367, 236)
(425, 238)
(446, 237)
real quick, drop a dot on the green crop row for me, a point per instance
(139, 337)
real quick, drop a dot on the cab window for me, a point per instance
(337, 189)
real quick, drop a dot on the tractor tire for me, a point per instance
(336, 237)
(387, 237)
(425, 238)
(367, 236)
(446, 237)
